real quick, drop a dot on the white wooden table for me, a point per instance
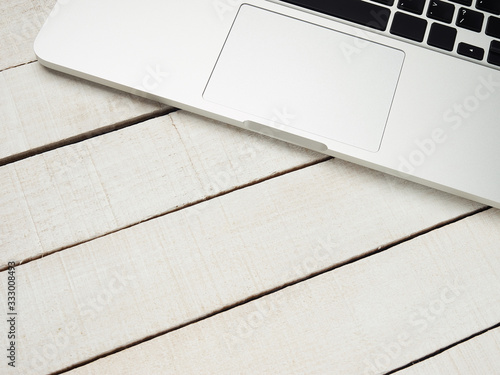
(148, 240)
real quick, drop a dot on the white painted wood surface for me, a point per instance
(39, 107)
(229, 216)
(78, 192)
(479, 355)
(20, 21)
(204, 258)
(368, 317)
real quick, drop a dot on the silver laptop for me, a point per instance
(408, 87)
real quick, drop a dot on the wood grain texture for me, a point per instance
(477, 356)
(364, 318)
(87, 189)
(174, 269)
(20, 21)
(40, 107)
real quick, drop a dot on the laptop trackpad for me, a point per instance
(306, 76)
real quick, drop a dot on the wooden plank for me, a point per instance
(477, 356)
(368, 317)
(174, 269)
(40, 107)
(20, 21)
(87, 189)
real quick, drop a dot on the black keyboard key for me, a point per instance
(493, 27)
(442, 36)
(357, 11)
(470, 19)
(471, 51)
(441, 11)
(494, 54)
(492, 6)
(463, 2)
(414, 6)
(385, 2)
(408, 26)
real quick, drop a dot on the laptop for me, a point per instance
(407, 87)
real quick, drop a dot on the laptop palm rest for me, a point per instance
(298, 74)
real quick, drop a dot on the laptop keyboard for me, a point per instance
(469, 29)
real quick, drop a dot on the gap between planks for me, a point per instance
(17, 66)
(395, 371)
(423, 208)
(223, 193)
(198, 201)
(442, 350)
(387, 260)
(87, 135)
(295, 282)
(157, 152)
